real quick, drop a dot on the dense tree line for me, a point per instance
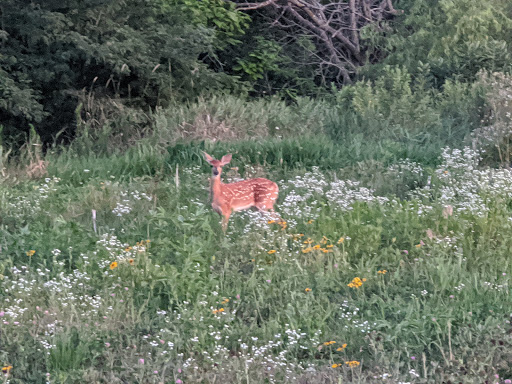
(148, 53)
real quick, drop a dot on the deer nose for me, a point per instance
(215, 172)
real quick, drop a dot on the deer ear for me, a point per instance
(208, 158)
(225, 159)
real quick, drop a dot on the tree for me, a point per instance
(332, 27)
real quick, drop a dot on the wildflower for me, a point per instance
(316, 246)
(178, 381)
(271, 222)
(335, 365)
(308, 289)
(218, 311)
(272, 251)
(128, 249)
(310, 221)
(225, 301)
(413, 357)
(382, 272)
(107, 345)
(405, 251)
(329, 246)
(307, 250)
(418, 245)
(352, 364)
(113, 265)
(6, 369)
(356, 282)
(31, 253)
(308, 241)
(341, 240)
(131, 261)
(329, 342)
(141, 361)
(324, 240)
(268, 281)
(343, 346)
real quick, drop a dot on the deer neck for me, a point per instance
(215, 187)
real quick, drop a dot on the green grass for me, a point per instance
(195, 305)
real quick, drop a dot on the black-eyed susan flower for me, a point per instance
(382, 272)
(6, 369)
(31, 253)
(308, 289)
(335, 365)
(352, 364)
(341, 240)
(272, 251)
(131, 261)
(113, 265)
(356, 282)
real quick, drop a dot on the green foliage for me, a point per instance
(228, 23)
(144, 52)
(264, 58)
(396, 107)
(455, 38)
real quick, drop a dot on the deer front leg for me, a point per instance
(226, 213)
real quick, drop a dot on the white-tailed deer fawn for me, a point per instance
(226, 198)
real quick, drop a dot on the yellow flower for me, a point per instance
(341, 240)
(383, 272)
(113, 265)
(271, 251)
(6, 369)
(31, 253)
(329, 246)
(308, 289)
(310, 221)
(316, 246)
(352, 364)
(307, 250)
(418, 245)
(225, 301)
(335, 365)
(343, 346)
(215, 311)
(271, 222)
(329, 342)
(324, 240)
(308, 241)
(356, 282)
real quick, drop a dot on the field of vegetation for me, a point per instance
(387, 126)
(392, 265)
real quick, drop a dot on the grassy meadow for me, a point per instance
(393, 264)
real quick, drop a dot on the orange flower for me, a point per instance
(113, 265)
(271, 251)
(308, 289)
(131, 261)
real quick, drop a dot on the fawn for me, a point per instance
(226, 198)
